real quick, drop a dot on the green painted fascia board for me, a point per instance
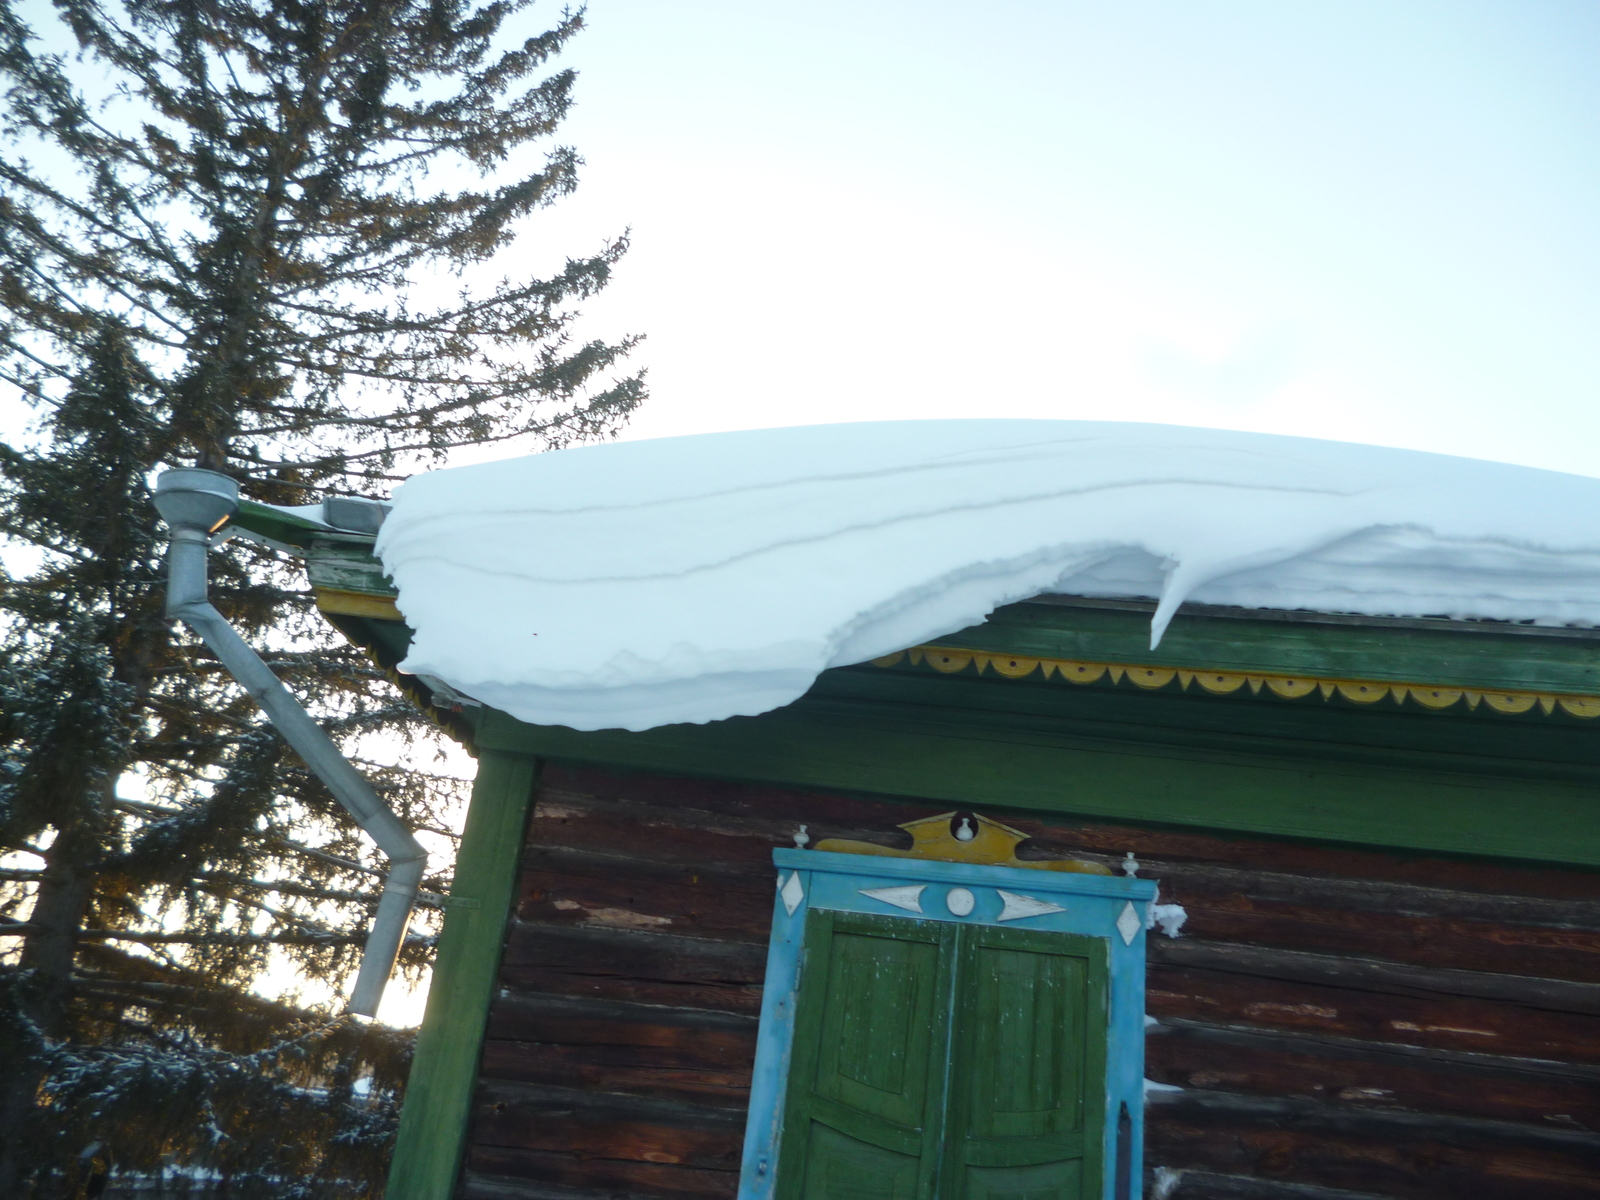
(333, 561)
(855, 748)
(439, 1092)
(1465, 654)
(1530, 744)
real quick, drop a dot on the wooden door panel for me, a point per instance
(1044, 1181)
(877, 1023)
(1026, 1030)
(840, 1167)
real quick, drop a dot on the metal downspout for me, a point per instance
(194, 503)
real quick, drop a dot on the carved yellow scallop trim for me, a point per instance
(950, 659)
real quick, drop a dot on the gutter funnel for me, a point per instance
(196, 503)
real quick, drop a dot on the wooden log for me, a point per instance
(1401, 979)
(1472, 1025)
(612, 1069)
(626, 965)
(684, 1031)
(622, 901)
(749, 876)
(1208, 1185)
(564, 1120)
(639, 1049)
(1378, 895)
(505, 1173)
(596, 950)
(1065, 838)
(1557, 1095)
(1508, 949)
(1409, 1156)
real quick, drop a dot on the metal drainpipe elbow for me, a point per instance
(194, 504)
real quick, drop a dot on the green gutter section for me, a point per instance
(438, 1104)
(273, 522)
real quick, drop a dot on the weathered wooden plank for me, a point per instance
(1399, 1154)
(607, 1125)
(495, 1170)
(634, 954)
(646, 1050)
(598, 1022)
(1335, 864)
(1369, 1073)
(616, 860)
(621, 1069)
(1401, 979)
(1208, 1185)
(1365, 895)
(649, 968)
(347, 566)
(686, 837)
(1425, 943)
(1471, 1025)
(619, 900)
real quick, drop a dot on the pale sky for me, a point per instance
(1358, 220)
(1372, 220)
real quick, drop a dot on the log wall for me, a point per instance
(1332, 1025)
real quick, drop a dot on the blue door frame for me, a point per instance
(1113, 909)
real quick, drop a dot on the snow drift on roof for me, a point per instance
(638, 584)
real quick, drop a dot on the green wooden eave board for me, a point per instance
(1468, 654)
(1135, 774)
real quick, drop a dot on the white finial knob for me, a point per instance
(964, 831)
(1130, 865)
(801, 839)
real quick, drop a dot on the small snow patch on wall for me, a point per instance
(1170, 917)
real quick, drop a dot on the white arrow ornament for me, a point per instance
(1018, 907)
(908, 897)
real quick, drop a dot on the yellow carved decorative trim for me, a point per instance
(950, 659)
(990, 844)
(357, 604)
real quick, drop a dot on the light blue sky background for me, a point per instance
(1357, 220)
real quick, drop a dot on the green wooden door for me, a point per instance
(935, 1061)
(866, 1077)
(1027, 1067)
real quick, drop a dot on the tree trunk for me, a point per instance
(48, 952)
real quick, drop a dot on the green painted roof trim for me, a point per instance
(1479, 655)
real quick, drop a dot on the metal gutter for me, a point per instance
(194, 504)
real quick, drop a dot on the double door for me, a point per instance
(943, 1061)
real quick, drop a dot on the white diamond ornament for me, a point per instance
(792, 892)
(1017, 907)
(1129, 924)
(908, 897)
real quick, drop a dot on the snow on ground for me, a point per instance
(689, 579)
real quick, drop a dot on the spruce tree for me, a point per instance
(261, 251)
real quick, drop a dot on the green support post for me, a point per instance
(438, 1105)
